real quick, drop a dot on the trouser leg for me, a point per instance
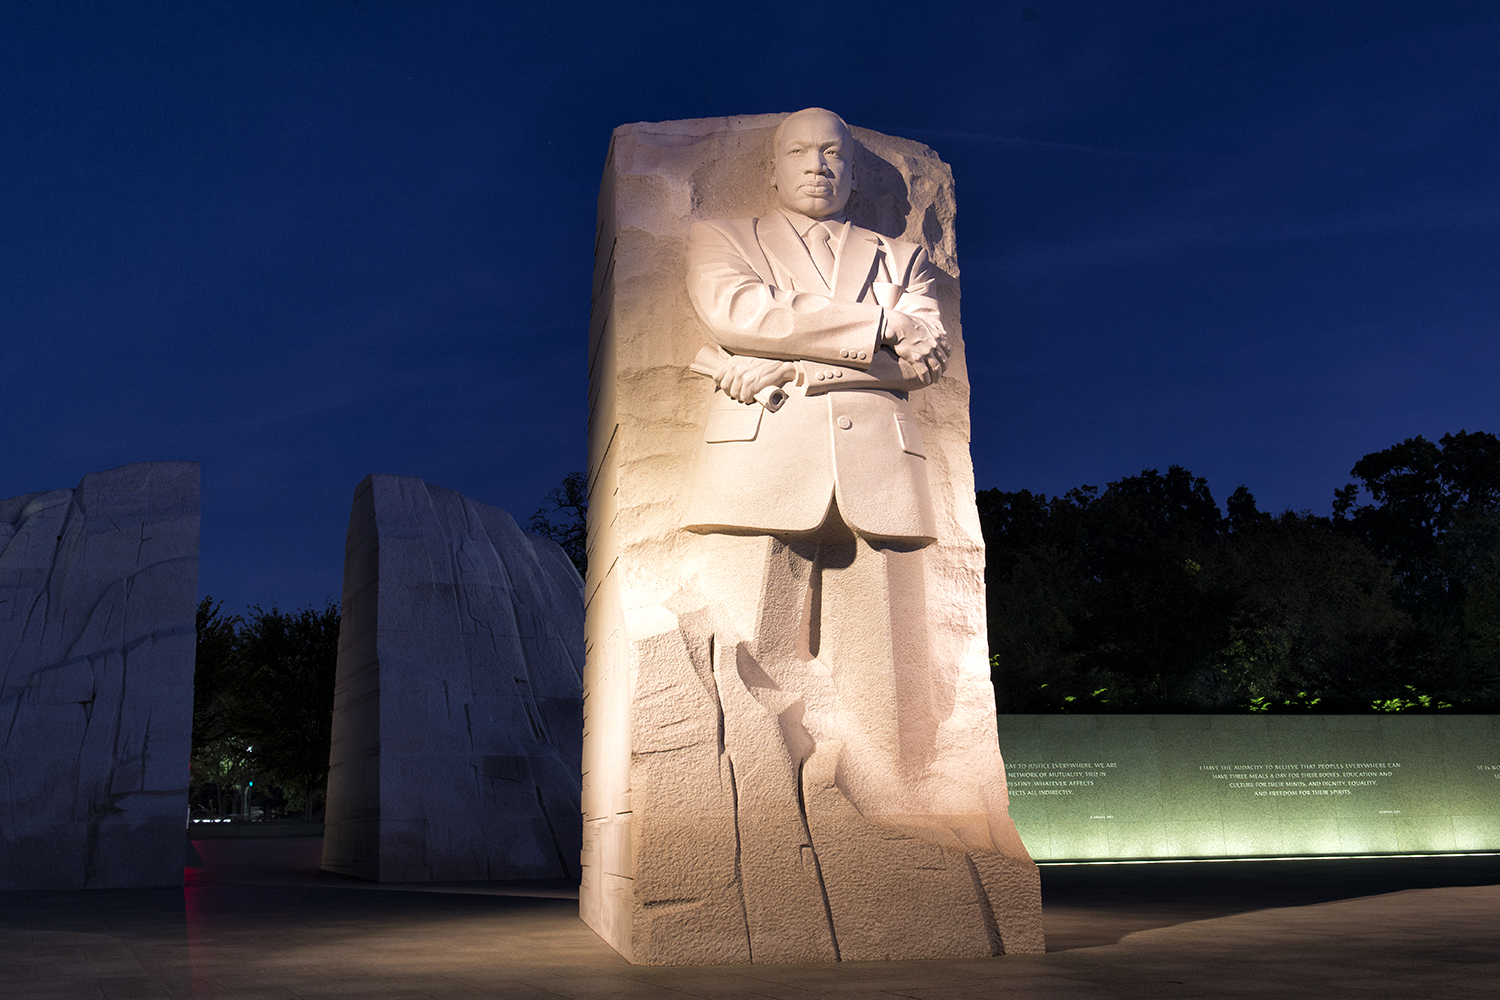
(870, 615)
(839, 625)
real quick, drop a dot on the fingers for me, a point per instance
(744, 377)
(927, 360)
(928, 355)
(740, 386)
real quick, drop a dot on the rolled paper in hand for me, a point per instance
(710, 362)
(771, 397)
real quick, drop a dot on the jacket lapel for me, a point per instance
(851, 276)
(787, 251)
(742, 234)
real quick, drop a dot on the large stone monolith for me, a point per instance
(457, 710)
(790, 747)
(98, 593)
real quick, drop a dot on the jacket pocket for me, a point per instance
(910, 435)
(737, 423)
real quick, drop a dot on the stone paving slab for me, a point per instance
(259, 921)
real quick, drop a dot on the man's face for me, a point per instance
(814, 165)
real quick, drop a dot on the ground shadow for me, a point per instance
(1085, 906)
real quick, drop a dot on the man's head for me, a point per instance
(814, 170)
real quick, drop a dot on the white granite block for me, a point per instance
(458, 709)
(790, 747)
(98, 595)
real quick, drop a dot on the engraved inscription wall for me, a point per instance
(1300, 779)
(1143, 786)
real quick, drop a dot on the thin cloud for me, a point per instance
(1469, 211)
(1015, 140)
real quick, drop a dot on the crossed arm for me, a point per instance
(767, 331)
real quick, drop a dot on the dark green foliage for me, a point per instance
(570, 499)
(213, 673)
(1313, 621)
(1434, 517)
(263, 703)
(1102, 599)
(218, 763)
(1153, 617)
(1144, 597)
(286, 704)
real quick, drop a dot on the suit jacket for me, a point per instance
(846, 433)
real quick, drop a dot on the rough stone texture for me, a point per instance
(703, 841)
(98, 594)
(457, 711)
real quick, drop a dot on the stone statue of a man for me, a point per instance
(790, 750)
(843, 315)
(825, 498)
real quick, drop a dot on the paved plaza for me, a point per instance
(258, 920)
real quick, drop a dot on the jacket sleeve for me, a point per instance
(745, 314)
(919, 299)
(886, 371)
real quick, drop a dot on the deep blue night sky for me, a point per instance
(305, 242)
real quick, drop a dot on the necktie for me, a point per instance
(822, 253)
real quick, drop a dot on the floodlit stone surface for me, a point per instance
(790, 750)
(457, 711)
(98, 594)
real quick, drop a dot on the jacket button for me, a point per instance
(861, 355)
(845, 423)
(844, 353)
(821, 376)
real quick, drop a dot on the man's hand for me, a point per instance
(743, 377)
(918, 344)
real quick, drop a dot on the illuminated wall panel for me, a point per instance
(1208, 786)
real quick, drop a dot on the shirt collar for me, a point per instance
(802, 223)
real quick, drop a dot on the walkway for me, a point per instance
(258, 920)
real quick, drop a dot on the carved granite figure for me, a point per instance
(804, 298)
(831, 486)
(789, 724)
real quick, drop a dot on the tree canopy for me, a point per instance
(566, 523)
(263, 701)
(1144, 596)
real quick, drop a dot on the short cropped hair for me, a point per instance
(776, 139)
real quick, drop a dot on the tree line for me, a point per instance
(1141, 596)
(1144, 596)
(263, 691)
(262, 711)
